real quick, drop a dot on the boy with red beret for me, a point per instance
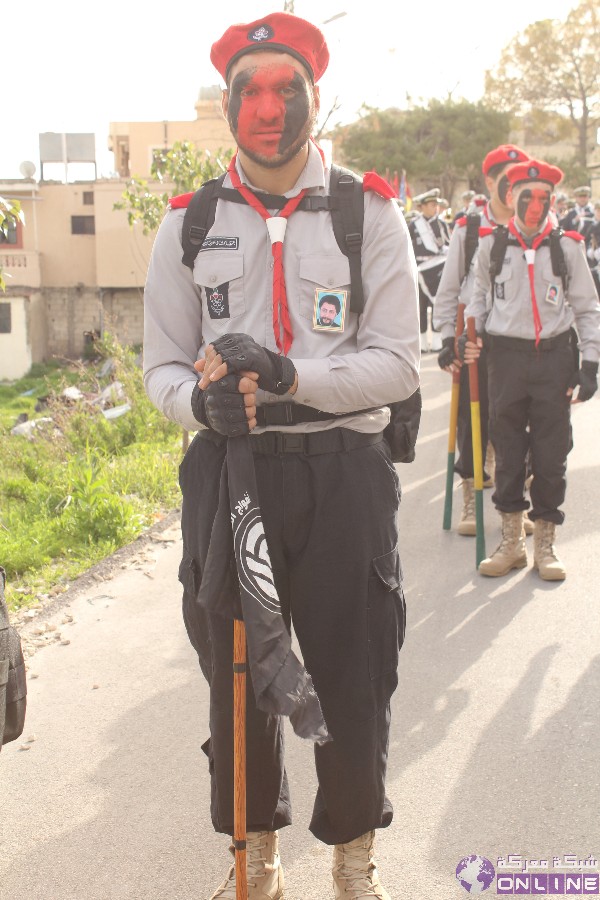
(313, 401)
(535, 304)
(455, 287)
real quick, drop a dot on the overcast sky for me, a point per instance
(73, 66)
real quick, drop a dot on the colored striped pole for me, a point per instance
(239, 758)
(477, 450)
(454, 399)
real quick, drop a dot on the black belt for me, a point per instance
(309, 443)
(511, 343)
(290, 414)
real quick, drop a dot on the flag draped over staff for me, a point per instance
(238, 562)
(404, 193)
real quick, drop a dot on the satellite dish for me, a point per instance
(27, 169)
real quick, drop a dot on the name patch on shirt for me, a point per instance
(217, 301)
(220, 243)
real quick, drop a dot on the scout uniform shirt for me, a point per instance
(454, 287)
(509, 312)
(362, 362)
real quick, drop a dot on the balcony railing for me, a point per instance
(21, 268)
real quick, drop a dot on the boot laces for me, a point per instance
(546, 545)
(359, 882)
(255, 865)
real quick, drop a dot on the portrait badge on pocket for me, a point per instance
(552, 294)
(330, 310)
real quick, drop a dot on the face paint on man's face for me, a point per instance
(270, 113)
(533, 205)
(502, 188)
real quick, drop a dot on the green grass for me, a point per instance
(84, 486)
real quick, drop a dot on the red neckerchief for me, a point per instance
(530, 259)
(276, 226)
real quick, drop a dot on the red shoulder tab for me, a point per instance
(374, 182)
(182, 201)
(574, 235)
(460, 223)
(485, 230)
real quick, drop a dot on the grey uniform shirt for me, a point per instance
(372, 362)
(509, 312)
(456, 284)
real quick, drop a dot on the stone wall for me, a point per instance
(71, 312)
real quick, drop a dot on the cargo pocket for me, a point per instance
(194, 617)
(386, 614)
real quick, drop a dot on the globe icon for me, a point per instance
(475, 874)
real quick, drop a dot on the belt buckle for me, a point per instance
(290, 443)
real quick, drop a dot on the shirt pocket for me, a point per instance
(552, 287)
(321, 273)
(221, 279)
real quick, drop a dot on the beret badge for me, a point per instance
(262, 33)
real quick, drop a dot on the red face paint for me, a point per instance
(269, 113)
(533, 205)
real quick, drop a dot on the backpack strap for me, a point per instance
(347, 218)
(498, 253)
(198, 219)
(471, 239)
(557, 256)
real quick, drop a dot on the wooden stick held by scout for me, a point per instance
(239, 758)
(477, 449)
(454, 400)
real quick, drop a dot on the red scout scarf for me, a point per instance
(276, 226)
(530, 259)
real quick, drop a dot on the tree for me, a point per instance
(554, 66)
(184, 167)
(10, 215)
(441, 143)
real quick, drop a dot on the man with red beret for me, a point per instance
(534, 304)
(314, 401)
(455, 286)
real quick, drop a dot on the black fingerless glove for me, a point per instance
(276, 373)
(221, 407)
(461, 343)
(446, 356)
(587, 379)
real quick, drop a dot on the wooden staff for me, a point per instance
(477, 451)
(454, 400)
(239, 758)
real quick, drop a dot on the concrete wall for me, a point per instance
(70, 312)
(15, 349)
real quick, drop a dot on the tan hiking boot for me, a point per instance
(511, 552)
(545, 559)
(527, 523)
(489, 467)
(467, 524)
(354, 871)
(265, 873)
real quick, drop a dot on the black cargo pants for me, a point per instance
(330, 520)
(527, 390)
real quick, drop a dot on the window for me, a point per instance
(88, 198)
(12, 236)
(83, 225)
(5, 321)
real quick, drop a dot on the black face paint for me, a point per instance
(533, 205)
(502, 189)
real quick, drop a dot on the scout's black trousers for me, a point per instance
(527, 388)
(464, 435)
(330, 520)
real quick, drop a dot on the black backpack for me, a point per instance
(346, 205)
(13, 685)
(502, 239)
(471, 239)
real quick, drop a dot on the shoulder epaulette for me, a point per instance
(181, 202)
(485, 230)
(574, 235)
(461, 222)
(374, 182)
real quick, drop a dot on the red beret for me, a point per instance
(534, 170)
(505, 153)
(279, 31)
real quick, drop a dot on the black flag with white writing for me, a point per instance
(282, 686)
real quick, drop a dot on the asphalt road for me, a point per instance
(495, 734)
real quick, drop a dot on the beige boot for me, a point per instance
(265, 874)
(511, 552)
(489, 466)
(354, 872)
(467, 524)
(545, 559)
(527, 523)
